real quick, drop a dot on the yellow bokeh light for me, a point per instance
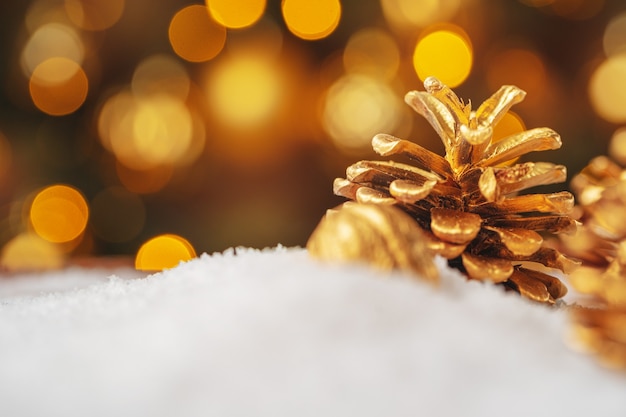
(58, 86)
(411, 13)
(358, 107)
(236, 14)
(146, 132)
(162, 130)
(194, 35)
(28, 252)
(617, 146)
(244, 91)
(52, 40)
(510, 124)
(94, 14)
(607, 89)
(311, 20)
(614, 39)
(372, 52)
(59, 213)
(161, 74)
(446, 54)
(113, 119)
(163, 252)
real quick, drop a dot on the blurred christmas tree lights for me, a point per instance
(224, 122)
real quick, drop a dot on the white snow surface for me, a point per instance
(275, 333)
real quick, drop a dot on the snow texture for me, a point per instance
(275, 333)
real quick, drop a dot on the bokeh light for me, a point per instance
(236, 14)
(145, 132)
(510, 124)
(163, 252)
(410, 14)
(161, 74)
(617, 146)
(194, 35)
(356, 108)
(244, 91)
(29, 252)
(607, 89)
(446, 54)
(311, 20)
(94, 14)
(58, 86)
(520, 67)
(59, 213)
(160, 103)
(265, 39)
(145, 181)
(117, 215)
(52, 40)
(372, 52)
(614, 39)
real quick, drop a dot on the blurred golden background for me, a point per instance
(219, 124)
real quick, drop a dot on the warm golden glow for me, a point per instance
(358, 107)
(521, 67)
(607, 90)
(411, 13)
(146, 132)
(94, 14)
(617, 146)
(236, 14)
(161, 74)
(28, 252)
(264, 39)
(614, 40)
(144, 181)
(52, 40)
(311, 20)
(59, 213)
(244, 91)
(372, 52)
(117, 215)
(58, 86)
(445, 54)
(510, 124)
(163, 252)
(161, 130)
(194, 35)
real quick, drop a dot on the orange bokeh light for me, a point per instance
(59, 213)
(194, 35)
(58, 86)
(236, 14)
(163, 252)
(311, 20)
(94, 14)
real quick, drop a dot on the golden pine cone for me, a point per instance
(466, 201)
(600, 189)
